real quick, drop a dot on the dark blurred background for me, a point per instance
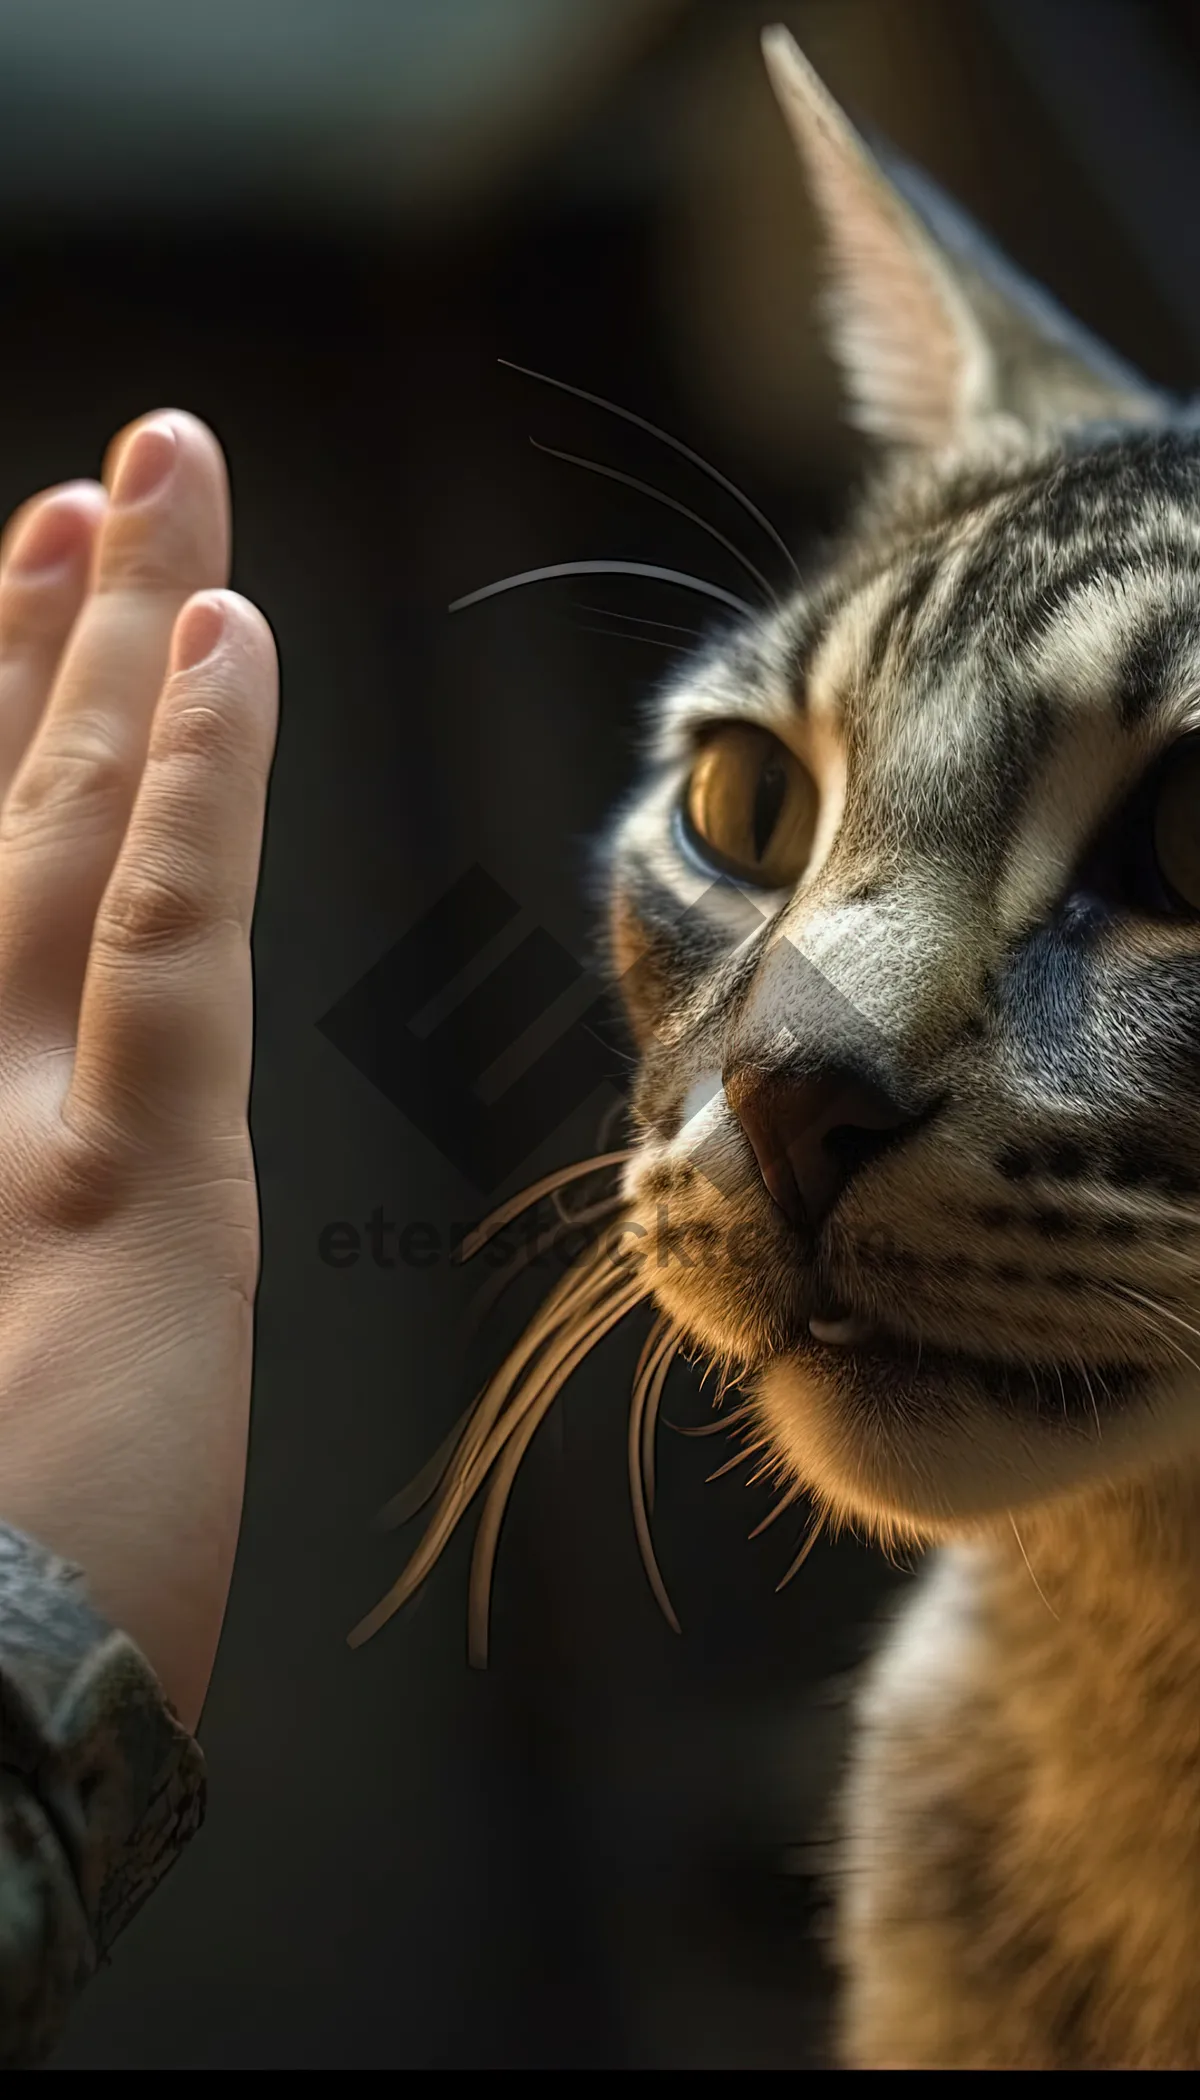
(319, 224)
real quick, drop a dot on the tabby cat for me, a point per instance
(906, 914)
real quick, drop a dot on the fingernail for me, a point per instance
(198, 633)
(48, 541)
(145, 463)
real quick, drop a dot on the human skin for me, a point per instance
(137, 723)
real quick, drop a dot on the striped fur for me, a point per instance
(981, 677)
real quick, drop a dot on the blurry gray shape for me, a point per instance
(388, 105)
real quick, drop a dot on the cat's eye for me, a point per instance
(750, 808)
(1176, 823)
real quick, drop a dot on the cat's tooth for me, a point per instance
(838, 1334)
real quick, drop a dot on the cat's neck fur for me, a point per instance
(1091, 1609)
(1027, 1798)
(1122, 1558)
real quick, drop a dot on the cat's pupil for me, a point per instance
(768, 802)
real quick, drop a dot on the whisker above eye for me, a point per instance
(644, 488)
(605, 568)
(676, 444)
(622, 634)
(638, 620)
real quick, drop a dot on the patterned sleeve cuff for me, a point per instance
(100, 1790)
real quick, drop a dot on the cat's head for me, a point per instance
(906, 911)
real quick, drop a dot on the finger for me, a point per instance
(165, 535)
(165, 1029)
(21, 517)
(45, 559)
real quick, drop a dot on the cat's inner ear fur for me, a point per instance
(936, 335)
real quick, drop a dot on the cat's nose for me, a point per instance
(811, 1133)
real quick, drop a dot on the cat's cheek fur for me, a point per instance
(723, 1284)
(632, 968)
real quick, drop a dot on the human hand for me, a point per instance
(137, 726)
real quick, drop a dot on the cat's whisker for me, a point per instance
(721, 1428)
(423, 1487)
(786, 1501)
(766, 1471)
(654, 1394)
(680, 577)
(664, 437)
(650, 1348)
(1126, 1290)
(810, 1539)
(489, 1297)
(1032, 1577)
(547, 1337)
(536, 1193)
(645, 488)
(657, 1354)
(1063, 1390)
(652, 641)
(1091, 1395)
(487, 1538)
(609, 612)
(577, 1308)
(740, 1458)
(655, 1362)
(613, 1115)
(1143, 1308)
(727, 1383)
(1178, 1350)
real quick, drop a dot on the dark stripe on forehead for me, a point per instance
(1033, 613)
(1037, 610)
(1080, 511)
(1115, 483)
(1073, 515)
(1149, 669)
(744, 663)
(894, 630)
(809, 623)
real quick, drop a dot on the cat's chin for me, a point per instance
(927, 1443)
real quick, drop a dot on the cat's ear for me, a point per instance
(936, 335)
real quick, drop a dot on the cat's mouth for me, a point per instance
(838, 1329)
(835, 1325)
(861, 1335)
(1054, 1385)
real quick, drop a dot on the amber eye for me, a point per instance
(1177, 826)
(750, 808)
